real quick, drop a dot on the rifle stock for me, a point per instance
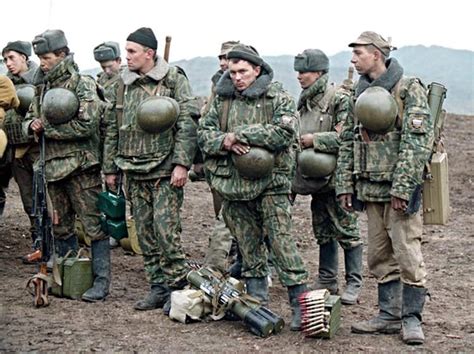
(166, 54)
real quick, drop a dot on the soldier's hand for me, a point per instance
(345, 200)
(229, 140)
(111, 181)
(399, 204)
(37, 125)
(306, 140)
(179, 176)
(240, 149)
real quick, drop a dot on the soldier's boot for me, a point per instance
(388, 321)
(177, 286)
(413, 300)
(257, 287)
(101, 271)
(2, 206)
(353, 265)
(235, 270)
(328, 267)
(294, 293)
(63, 246)
(156, 298)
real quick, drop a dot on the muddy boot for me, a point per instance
(159, 294)
(101, 271)
(258, 288)
(353, 265)
(63, 246)
(390, 308)
(413, 302)
(293, 294)
(328, 267)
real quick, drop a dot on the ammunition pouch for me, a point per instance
(375, 160)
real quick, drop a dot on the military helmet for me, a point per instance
(157, 114)
(316, 164)
(257, 163)
(25, 93)
(376, 109)
(59, 105)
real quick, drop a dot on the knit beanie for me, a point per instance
(145, 37)
(21, 47)
(245, 52)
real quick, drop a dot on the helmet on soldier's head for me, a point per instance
(25, 93)
(376, 109)
(257, 163)
(316, 164)
(59, 105)
(157, 114)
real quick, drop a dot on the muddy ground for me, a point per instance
(113, 325)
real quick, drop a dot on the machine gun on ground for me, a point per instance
(222, 293)
(44, 224)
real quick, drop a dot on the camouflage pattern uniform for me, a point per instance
(385, 165)
(329, 107)
(148, 160)
(266, 117)
(25, 149)
(72, 152)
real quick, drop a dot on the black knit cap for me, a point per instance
(245, 52)
(145, 37)
(21, 47)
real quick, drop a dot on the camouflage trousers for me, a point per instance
(394, 245)
(331, 221)
(77, 195)
(22, 169)
(268, 215)
(156, 208)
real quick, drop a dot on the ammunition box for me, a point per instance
(436, 208)
(112, 205)
(333, 306)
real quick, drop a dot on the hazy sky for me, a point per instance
(274, 27)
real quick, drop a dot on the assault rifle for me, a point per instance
(44, 225)
(260, 320)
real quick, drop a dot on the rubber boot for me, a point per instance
(353, 265)
(328, 267)
(390, 307)
(258, 288)
(63, 246)
(293, 294)
(101, 271)
(156, 298)
(412, 306)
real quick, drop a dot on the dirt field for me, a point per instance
(113, 325)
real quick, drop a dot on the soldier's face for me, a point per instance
(110, 67)
(49, 60)
(308, 78)
(363, 60)
(15, 62)
(223, 63)
(139, 58)
(243, 74)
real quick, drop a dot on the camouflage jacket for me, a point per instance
(143, 155)
(13, 119)
(322, 108)
(388, 164)
(263, 115)
(73, 146)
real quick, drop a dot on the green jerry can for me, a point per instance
(75, 272)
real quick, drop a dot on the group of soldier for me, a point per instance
(259, 149)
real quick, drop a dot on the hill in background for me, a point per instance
(451, 67)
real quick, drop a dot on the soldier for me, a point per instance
(68, 120)
(156, 161)
(381, 163)
(253, 116)
(25, 151)
(8, 100)
(323, 109)
(108, 55)
(220, 241)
